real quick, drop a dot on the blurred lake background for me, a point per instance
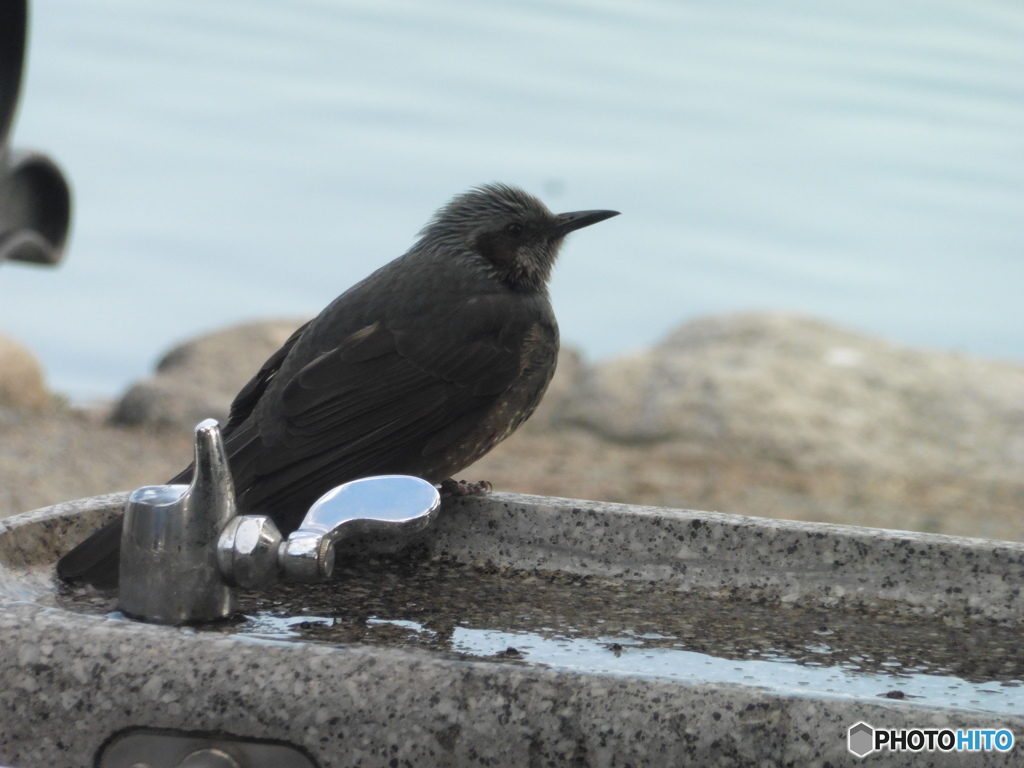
(857, 160)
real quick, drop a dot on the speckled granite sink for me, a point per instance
(530, 631)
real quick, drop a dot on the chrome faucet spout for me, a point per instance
(168, 547)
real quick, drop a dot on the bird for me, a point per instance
(419, 369)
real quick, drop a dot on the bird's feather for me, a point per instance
(380, 398)
(250, 394)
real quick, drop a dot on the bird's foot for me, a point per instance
(452, 487)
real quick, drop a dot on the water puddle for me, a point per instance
(608, 627)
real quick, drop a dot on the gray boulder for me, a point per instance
(200, 377)
(806, 394)
(22, 386)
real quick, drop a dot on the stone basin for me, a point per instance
(533, 631)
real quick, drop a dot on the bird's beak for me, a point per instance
(569, 222)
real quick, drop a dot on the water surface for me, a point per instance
(859, 160)
(617, 627)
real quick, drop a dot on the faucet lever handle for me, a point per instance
(391, 508)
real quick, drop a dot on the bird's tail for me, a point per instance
(97, 560)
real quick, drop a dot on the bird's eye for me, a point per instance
(515, 229)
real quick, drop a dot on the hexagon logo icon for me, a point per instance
(860, 739)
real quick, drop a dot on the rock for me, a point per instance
(200, 377)
(22, 386)
(768, 415)
(805, 394)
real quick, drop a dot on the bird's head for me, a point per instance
(506, 231)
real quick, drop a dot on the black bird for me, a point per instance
(419, 369)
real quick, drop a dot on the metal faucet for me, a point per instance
(185, 550)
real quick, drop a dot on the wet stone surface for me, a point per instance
(594, 633)
(600, 625)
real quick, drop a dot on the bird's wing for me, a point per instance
(384, 400)
(250, 394)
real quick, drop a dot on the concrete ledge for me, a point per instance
(703, 553)
(70, 681)
(713, 555)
